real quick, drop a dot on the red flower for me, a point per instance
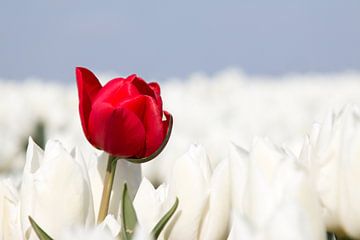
(124, 117)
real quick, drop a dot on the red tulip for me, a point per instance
(124, 117)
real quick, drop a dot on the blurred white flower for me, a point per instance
(332, 155)
(111, 225)
(109, 229)
(86, 234)
(9, 220)
(55, 191)
(273, 179)
(141, 234)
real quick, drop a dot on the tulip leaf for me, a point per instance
(42, 235)
(164, 220)
(128, 215)
(159, 150)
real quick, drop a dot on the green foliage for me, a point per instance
(128, 215)
(164, 220)
(42, 235)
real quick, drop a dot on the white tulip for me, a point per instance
(150, 204)
(216, 219)
(204, 198)
(332, 154)
(9, 220)
(125, 172)
(55, 191)
(274, 179)
(189, 182)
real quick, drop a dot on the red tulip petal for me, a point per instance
(147, 109)
(88, 87)
(156, 88)
(118, 131)
(120, 89)
(142, 87)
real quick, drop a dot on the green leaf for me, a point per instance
(128, 215)
(164, 220)
(42, 235)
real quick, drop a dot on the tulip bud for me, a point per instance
(124, 117)
(55, 191)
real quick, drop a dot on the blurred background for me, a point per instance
(229, 70)
(162, 39)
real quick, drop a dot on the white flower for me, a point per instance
(216, 219)
(204, 198)
(55, 191)
(332, 155)
(150, 204)
(273, 179)
(9, 220)
(189, 182)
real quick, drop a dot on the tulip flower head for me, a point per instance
(125, 117)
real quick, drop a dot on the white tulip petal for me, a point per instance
(239, 167)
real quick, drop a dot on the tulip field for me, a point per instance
(243, 157)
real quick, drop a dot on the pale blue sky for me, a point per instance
(161, 39)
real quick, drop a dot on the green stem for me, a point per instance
(108, 184)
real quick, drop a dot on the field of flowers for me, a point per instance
(250, 157)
